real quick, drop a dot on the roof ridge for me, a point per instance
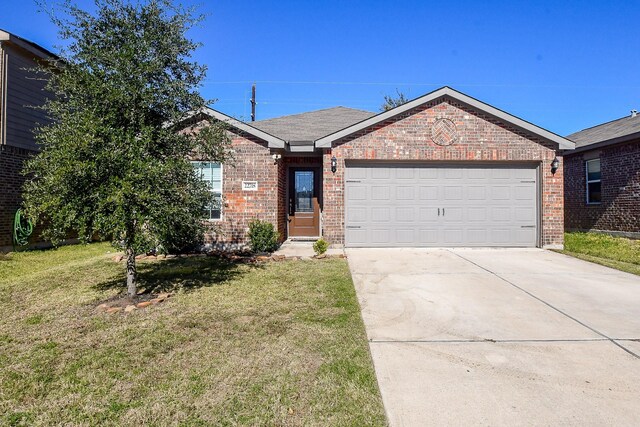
(314, 111)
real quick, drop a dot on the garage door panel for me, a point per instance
(525, 235)
(524, 192)
(453, 214)
(359, 214)
(480, 205)
(403, 173)
(406, 214)
(357, 237)
(477, 173)
(477, 214)
(428, 173)
(477, 236)
(500, 174)
(404, 192)
(380, 214)
(453, 192)
(524, 173)
(500, 192)
(524, 214)
(381, 235)
(427, 215)
(500, 214)
(428, 236)
(500, 236)
(428, 193)
(380, 173)
(357, 192)
(404, 236)
(453, 236)
(476, 192)
(358, 172)
(453, 173)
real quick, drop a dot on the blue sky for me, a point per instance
(561, 65)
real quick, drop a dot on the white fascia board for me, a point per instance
(563, 143)
(36, 50)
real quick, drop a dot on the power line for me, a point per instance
(347, 83)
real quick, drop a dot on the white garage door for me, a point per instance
(427, 205)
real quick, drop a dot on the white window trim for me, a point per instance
(587, 181)
(212, 191)
(221, 195)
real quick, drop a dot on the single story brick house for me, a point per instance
(442, 170)
(602, 178)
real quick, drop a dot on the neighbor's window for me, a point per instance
(594, 186)
(211, 173)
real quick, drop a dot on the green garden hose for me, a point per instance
(22, 229)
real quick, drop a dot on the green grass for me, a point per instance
(615, 252)
(275, 344)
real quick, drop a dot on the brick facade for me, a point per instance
(620, 207)
(480, 139)
(253, 161)
(11, 181)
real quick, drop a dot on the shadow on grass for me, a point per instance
(187, 274)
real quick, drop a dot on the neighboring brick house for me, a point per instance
(602, 178)
(442, 170)
(20, 89)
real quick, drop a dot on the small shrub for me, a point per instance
(263, 236)
(320, 246)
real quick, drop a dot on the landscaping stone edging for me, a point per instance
(118, 307)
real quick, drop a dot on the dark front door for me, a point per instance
(304, 207)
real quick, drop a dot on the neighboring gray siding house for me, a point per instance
(602, 178)
(20, 88)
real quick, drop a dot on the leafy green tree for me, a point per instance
(391, 101)
(112, 164)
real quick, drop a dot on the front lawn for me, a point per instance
(615, 252)
(271, 344)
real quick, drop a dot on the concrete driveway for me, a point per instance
(500, 337)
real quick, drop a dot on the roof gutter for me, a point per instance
(301, 146)
(602, 144)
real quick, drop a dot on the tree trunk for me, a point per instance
(132, 288)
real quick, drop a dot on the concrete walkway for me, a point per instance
(500, 337)
(303, 249)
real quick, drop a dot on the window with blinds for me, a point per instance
(211, 173)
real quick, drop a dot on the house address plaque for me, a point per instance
(249, 185)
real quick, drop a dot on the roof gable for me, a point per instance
(272, 141)
(563, 143)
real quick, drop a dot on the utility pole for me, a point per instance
(253, 103)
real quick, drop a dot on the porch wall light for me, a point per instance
(555, 164)
(334, 164)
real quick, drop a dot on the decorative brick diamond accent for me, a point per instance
(444, 132)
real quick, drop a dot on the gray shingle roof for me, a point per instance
(606, 131)
(312, 125)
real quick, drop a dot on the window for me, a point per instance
(594, 186)
(211, 173)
